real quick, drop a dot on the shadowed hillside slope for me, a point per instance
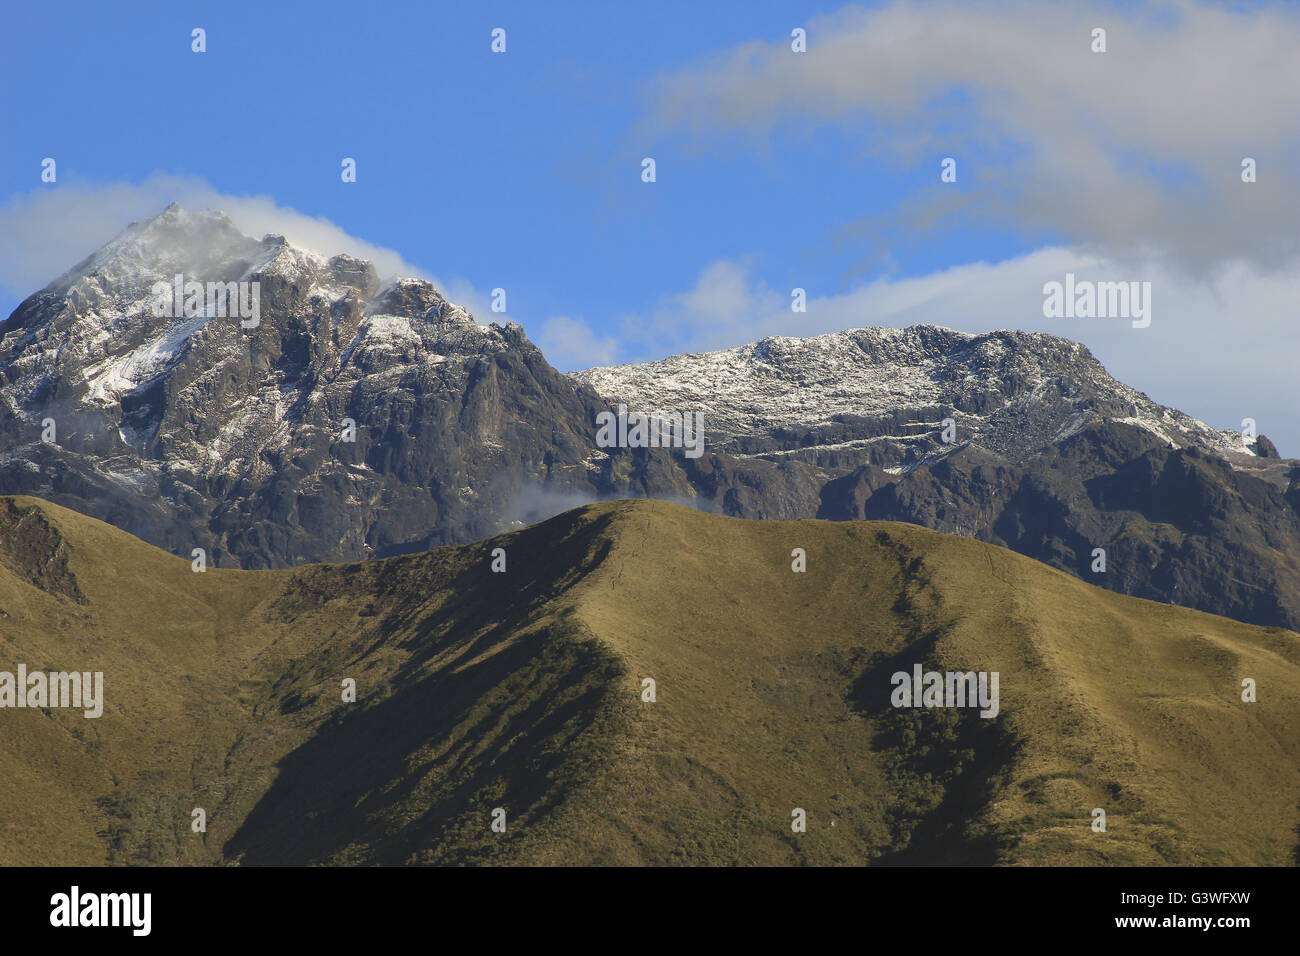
(522, 690)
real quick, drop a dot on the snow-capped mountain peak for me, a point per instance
(205, 389)
(889, 390)
(176, 240)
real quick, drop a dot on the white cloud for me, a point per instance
(46, 231)
(570, 343)
(1132, 158)
(1136, 150)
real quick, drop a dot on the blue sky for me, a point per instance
(774, 170)
(519, 170)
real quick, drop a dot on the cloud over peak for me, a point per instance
(45, 231)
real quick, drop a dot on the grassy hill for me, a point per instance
(523, 690)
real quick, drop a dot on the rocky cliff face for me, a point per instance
(362, 418)
(354, 419)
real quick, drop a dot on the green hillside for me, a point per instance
(522, 690)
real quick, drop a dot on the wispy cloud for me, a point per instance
(570, 343)
(46, 231)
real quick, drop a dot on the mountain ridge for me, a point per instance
(979, 375)
(523, 690)
(363, 418)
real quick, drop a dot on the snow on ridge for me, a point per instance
(158, 246)
(788, 380)
(116, 376)
(282, 258)
(777, 381)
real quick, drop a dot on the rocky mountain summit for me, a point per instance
(883, 393)
(197, 432)
(358, 417)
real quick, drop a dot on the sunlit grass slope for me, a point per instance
(523, 690)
